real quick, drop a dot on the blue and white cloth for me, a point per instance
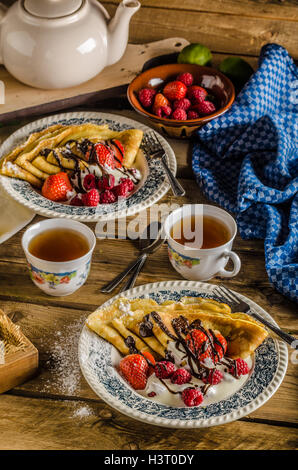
(247, 161)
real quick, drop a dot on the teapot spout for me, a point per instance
(118, 29)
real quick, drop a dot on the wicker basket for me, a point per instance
(18, 356)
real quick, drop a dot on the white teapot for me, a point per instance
(62, 43)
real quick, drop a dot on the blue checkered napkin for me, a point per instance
(247, 161)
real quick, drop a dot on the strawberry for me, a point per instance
(104, 156)
(56, 187)
(118, 151)
(91, 198)
(134, 368)
(159, 101)
(175, 90)
(196, 94)
(220, 348)
(150, 360)
(204, 108)
(198, 343)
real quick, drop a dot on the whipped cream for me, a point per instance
(214, 393)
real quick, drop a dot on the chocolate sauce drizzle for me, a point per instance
(88, 151)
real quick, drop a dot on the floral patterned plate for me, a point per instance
(97, 359)
(154, 184)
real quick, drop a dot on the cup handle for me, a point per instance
(237, 265)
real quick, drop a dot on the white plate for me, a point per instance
(151, 189)
(97, 357)
(13, 216)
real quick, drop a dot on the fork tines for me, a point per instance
(152, 142)
(227, 294)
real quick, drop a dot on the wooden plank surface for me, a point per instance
(237, 33)
(57, 424)
(49, 322)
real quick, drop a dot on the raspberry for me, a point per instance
(121, 190)
(192, 397)
(214, 377)
(106, 182)
(128, 182)
(89, 182)
(204, 108)
(91, 198)
(163, 111)
(184, 103)
(196, 94)
(179, 114)
(77, 201)
(164, 369)
(181, 376)
(241, 368)
(192, 114)
(151, 394)
(146, 96)
(107, 197)
(185, 78)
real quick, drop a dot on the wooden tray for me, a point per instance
(21, 363)
(23, 101)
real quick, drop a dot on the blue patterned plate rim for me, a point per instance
(95, 357)
(154, 188)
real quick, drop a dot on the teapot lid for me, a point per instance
(52, 8)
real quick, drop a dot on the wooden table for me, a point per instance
(57, 409)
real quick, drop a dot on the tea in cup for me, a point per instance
(59, 253)
(200, 239)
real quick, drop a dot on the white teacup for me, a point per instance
(202, 264)
(63, 277)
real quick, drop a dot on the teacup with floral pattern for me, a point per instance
(202, 264)
(63, 277)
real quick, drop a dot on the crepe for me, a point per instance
(126, 317)
(43, 153)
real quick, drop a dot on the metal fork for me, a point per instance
(157, 151)
(238, 305)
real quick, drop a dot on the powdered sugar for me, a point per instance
(83, 412)
(63, 361)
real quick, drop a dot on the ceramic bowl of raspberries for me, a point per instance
(180, 98)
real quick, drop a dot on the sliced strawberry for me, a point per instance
(150, 360)
(199, 344)
(56, 187)
(118, 151)
(104, 156)
(220, 345)
(175, 90)
(134, 368)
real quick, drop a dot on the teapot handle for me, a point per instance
(3, 10)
